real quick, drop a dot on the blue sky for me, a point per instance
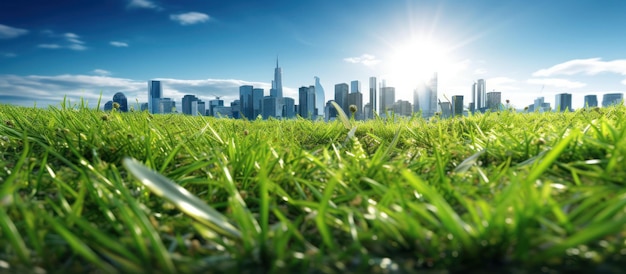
(524, 49)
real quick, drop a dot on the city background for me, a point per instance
(523, 49)
(255, 103)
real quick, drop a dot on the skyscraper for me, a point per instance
(257, 101)
(612, 99)
(289, 108)
(356, 99)
(494, 100)
(591, 101)
(277, 84)
(307, 102)
(320, 97)
(154, 95)
(245, 102)
(372, 102)
(166, 105)
(480, 94)
(187, 104)
(355, 86)
(120, 98)
(387, 99)
(425, 98)
(563, 101)
(457, 105)
(271, 107)
(217, 102)
(341, 96)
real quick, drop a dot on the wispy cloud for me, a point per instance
(118, 44)
(101, 72)
(501, 84)
(365, 59)
(190, 18)
(71, 41)
(556, 82)
(142, 4)
(49, 46)
(50, 90)
(7, 32)
(480, 71)
(591, 66)
(9, 55)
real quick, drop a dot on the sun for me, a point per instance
(413, 62)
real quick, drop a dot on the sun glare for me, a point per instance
(414, 62)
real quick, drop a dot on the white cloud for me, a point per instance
(501, 84)
(49, 46)
(556, 82)
(9, 55)
(142, 4)
(101, 72)
(190, 18)
(7, 32)
(72, 41)
(118, 44)
(50, 90)
(365, 59)
(591, 66)
(480, 71)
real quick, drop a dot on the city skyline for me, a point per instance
(523, 49)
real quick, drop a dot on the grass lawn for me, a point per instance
(84, 191)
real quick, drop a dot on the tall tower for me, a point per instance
(481, 94)
(425, 98)
(320, 98)
(370, 115)
(154, 95)
(277, 85)
(355, 86)
(245, 102)
(341, 96)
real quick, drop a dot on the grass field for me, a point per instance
(498, 192)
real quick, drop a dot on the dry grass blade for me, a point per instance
(182, 199)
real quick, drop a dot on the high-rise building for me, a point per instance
(563, 101)
(235, 107)
(425, 98)
(320, 97)
(143, 106)
(591, 101)
(223, 111)
(155, 92)
(402, 108)
(612, 99)
(166, 105)
(277, 84)
(245, 101)
(356, 99)
(370, 113)
(457, 105)
(494, 100)
(341, 96)
(479, 94)
(201, 105)
(289, 108)
(187, 104)
(307, 102)
(355, 86)
(120, 98)
(387, 98)
(541, 106)
(446, 109)
(217, 102)
(272, 107)
(257, 101)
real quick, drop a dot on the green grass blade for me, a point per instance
(182, 199)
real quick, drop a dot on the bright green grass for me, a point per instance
(499, 192)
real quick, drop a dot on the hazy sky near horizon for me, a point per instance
(524, 49)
